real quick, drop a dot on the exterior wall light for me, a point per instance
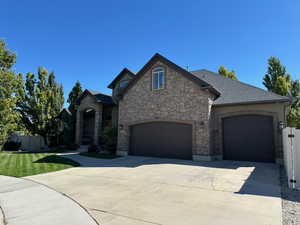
(280, 125)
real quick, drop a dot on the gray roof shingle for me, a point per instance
(236, 92)
(101, 97)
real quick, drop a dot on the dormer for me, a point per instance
(120, 82)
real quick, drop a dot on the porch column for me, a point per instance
(96, 132)
(78, 121)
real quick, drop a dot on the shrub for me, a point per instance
(12, 146)
(109, 137)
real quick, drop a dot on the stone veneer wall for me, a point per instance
(182, 100)
(89, 103)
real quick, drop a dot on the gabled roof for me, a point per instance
(119, 77)
(64, 110)
(99, 97)
(157, 57)
(234, 92)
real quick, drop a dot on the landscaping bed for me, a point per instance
(20, 164)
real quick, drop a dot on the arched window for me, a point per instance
(158, 78)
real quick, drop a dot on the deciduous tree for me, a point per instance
(294, 114)
(224, 72)
(42, 103)
(280, 82)
(10, 84)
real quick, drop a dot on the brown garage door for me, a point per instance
(162, 139)
(248, 138)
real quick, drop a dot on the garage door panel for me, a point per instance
(248, 138)
(162, 139)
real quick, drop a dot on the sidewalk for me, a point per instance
(85, 161)
(26, 202)
(1, 218)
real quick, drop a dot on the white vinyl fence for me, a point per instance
(291, 151)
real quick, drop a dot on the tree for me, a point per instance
(294, 114)
(280, 82)
(10, 84)
(224, 72)
(42, 102)
(277, 79)
(73, 96)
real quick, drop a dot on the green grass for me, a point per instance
(99, 156)
(21, 164)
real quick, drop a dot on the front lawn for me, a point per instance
(21, 164)
(99, 156)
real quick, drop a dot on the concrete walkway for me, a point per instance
(25, 202)
(85, 161)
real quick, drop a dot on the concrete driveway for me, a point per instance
(143, 191)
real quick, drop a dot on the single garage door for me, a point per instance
(161, 139)
(248, 138)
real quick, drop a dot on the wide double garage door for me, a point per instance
(161, 139)
(245, 138)
(248, 138)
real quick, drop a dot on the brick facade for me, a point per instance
(182, 100)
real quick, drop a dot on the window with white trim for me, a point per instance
(158, 78)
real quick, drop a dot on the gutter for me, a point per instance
(254, 102)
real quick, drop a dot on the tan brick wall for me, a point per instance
(182, 100)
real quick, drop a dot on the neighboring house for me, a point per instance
(167, 111)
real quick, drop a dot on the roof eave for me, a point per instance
(213, 90)
(253, 102)
(118, 77)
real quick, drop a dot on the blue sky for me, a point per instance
(91, 41)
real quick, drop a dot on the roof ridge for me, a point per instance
(243, 83)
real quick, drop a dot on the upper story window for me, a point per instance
(123, 83)
(158, 78)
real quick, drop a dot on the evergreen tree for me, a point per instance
(42, 102)
(72, 100)
(224, 72)
(73, 96)
(10, 84)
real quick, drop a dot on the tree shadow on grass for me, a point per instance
(57, 160)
